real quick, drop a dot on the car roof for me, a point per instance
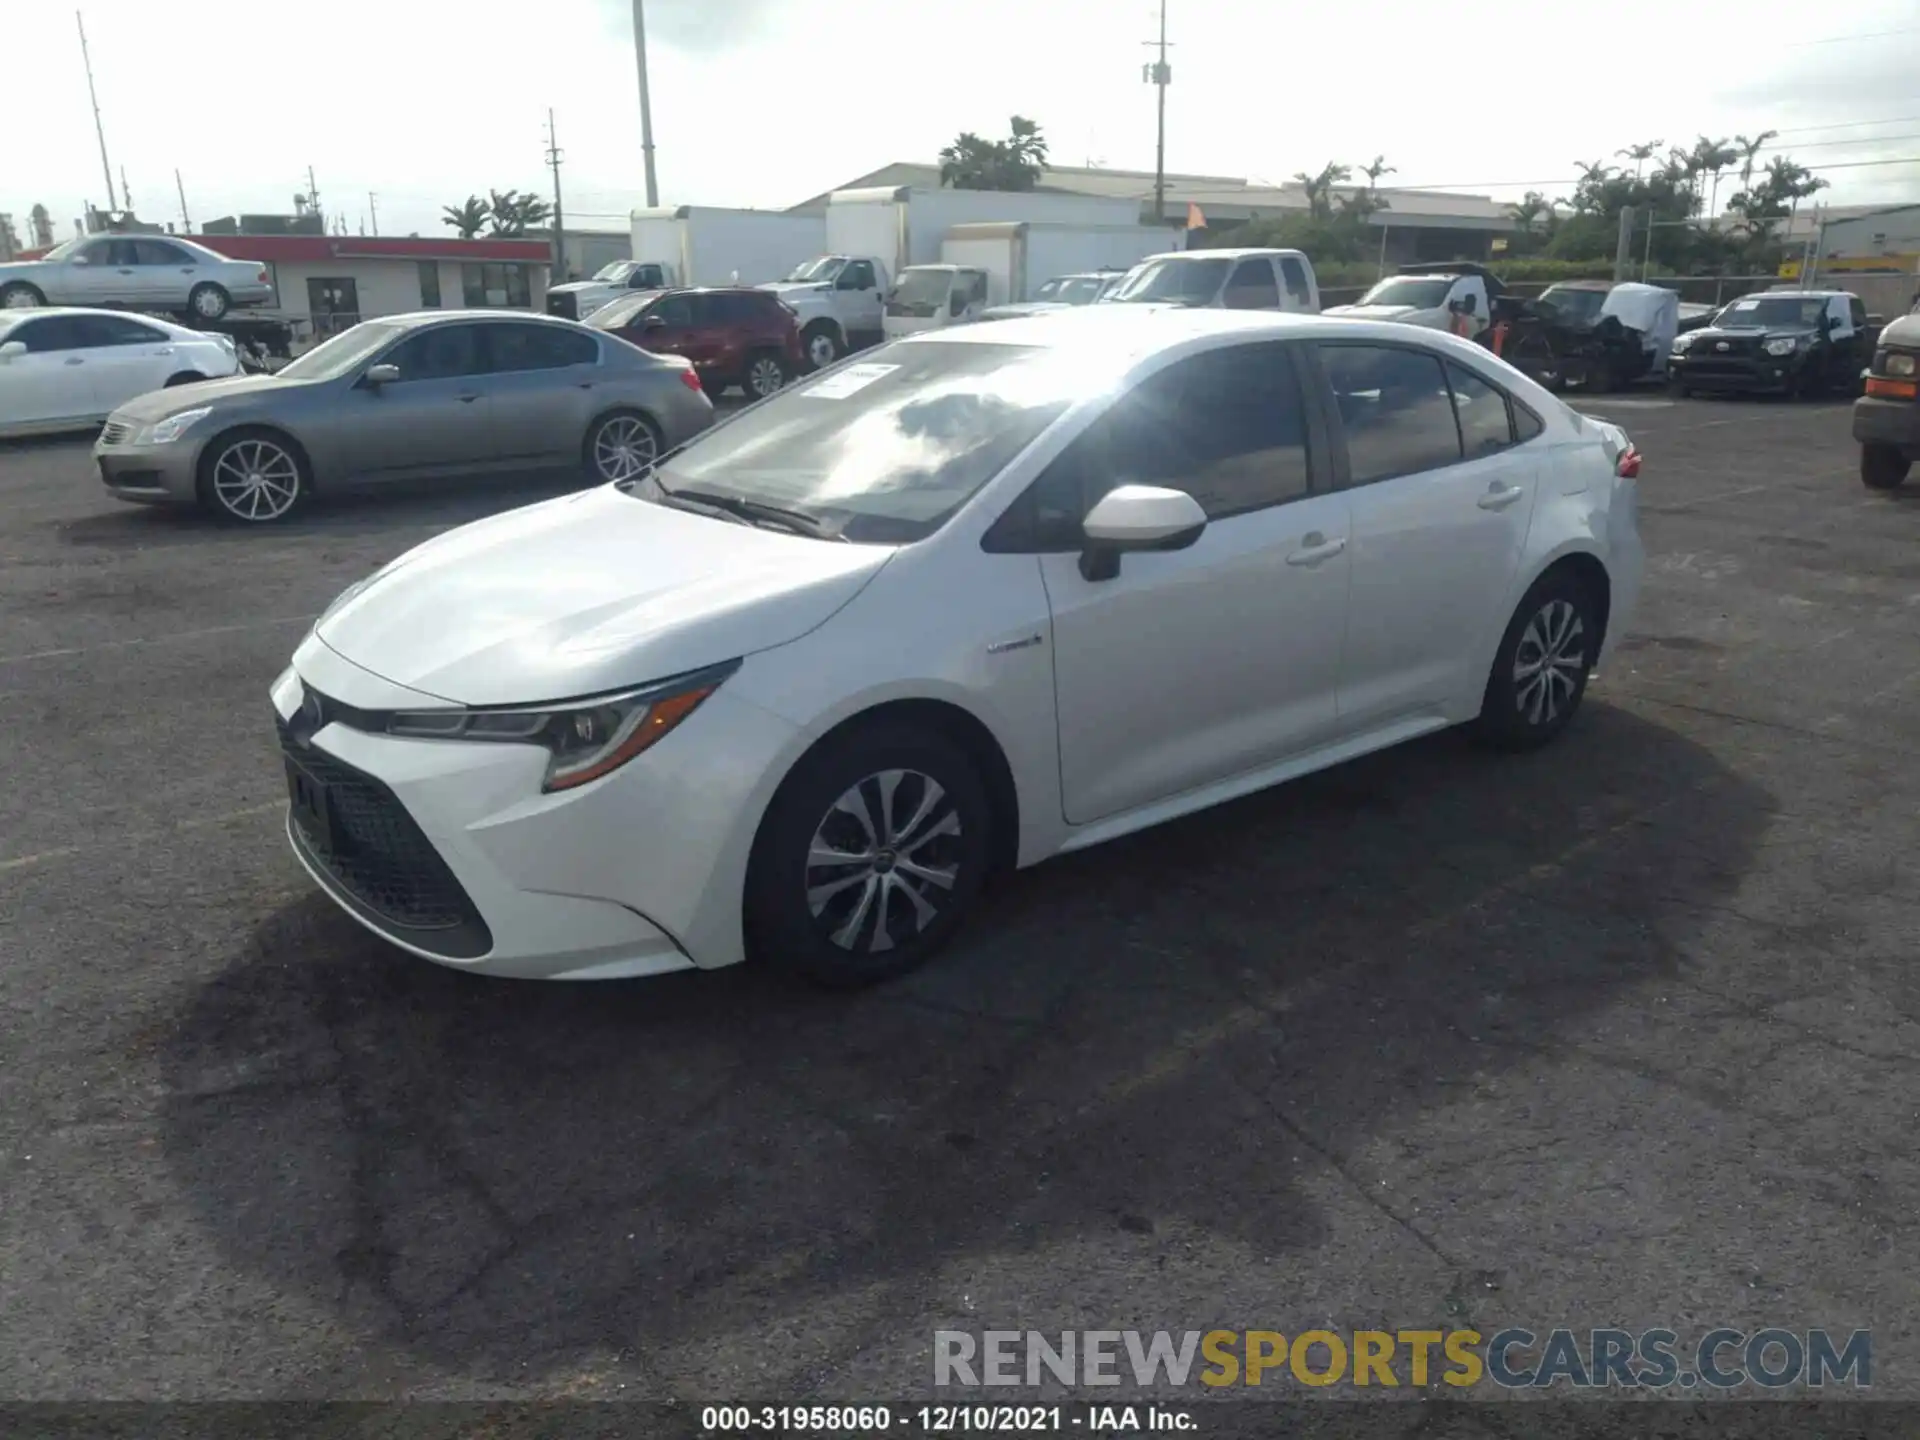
(37, 311)
(419, 319)
(1223, 253)
(1796, 295)
(1133, 332)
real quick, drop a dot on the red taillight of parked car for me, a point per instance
(690, 378)
(1627, 467)
(264, 278)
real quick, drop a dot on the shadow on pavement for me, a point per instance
(1141, 1041)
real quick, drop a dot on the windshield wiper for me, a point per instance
(758, 512)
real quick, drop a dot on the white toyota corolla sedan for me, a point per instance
(960, 603)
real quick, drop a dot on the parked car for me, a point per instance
(1785, 342)
(65, 368)
(577, 299)
(931, 297)
(160, 272)
(1598, 335)
(440, 393)
(1436, 297)
(1886, 419)
(984, 596)
(1227, 279)
(733, 336)
(1060, 293)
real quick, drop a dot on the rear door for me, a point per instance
(544, 381)
(53, 381)
(164, 274)
(436, 417)
(1442, 496)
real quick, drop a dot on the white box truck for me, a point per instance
(874, 234)
(709, 245)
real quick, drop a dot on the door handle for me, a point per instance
(75, 360)
(1499, 497)
(126, 272)
(468, 399)
(1315, 548)
(163, 352)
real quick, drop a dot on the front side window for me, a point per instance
(1298, 290)
(1179, 279)
(440, 352)
(1395, 407)
(103, 330)
(673, 310)
(858, 275)
(1857, 312)
(44, 337)
(1252, 287)
(538, 347)
(884, 448)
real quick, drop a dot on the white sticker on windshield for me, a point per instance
(1746, 305)
(843, 383)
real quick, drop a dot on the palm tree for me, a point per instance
(1319, 188)
(1640, 154)
(469, 217)
(1374, 171)
(1529, 210)
(1748, 150)
(1710, 157)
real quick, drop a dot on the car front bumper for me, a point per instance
(449, 849)
(147, 474)
(1887, 422)
(1760, 373)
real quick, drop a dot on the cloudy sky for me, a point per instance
(765, 102)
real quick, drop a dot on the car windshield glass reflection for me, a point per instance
(1766, 314)
(337, 356)
(1184, 281)
(884, 450)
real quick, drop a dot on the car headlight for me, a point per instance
(1782, 346)
(1682, 342)
(584, 739)
(165, 432)
(1900, 364)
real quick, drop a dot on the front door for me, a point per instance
(1442, 496)
(857, 298)
(106, 277)
(435, 417)
(334, 304)
(1192, 666)
(664, 327)
(52, 382)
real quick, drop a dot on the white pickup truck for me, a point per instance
(580, 298)
(839, 301)
(1454, 295)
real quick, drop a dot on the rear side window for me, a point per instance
(1526, 424)
(1395, 407)
(1252, 287)
(1296, 277)
(158, 252)
(1485, 426)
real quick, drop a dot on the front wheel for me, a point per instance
(209, 302)
(869, 857)
(1883, 467)
(1540, 671)
(254, 477)
(21, 296)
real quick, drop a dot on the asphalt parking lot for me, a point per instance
(1621, 1033)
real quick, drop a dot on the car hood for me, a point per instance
(1023, 307)
(158, 404)
(1371, 312)
(1709, 333)
(785, 289)
(585, 594)
(576, 287)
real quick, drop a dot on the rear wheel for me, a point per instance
(1882, 467)
(621, 446)
(185, 377)
(1540, 672)
(869, 857)
(21, 296)
(254, 477)
(766, 375)
(209, 301)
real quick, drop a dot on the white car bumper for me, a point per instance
(450, 850)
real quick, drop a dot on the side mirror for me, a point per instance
(11, 349)
(653, 322)
(79, 260)
(1137, 517)
(378, 375)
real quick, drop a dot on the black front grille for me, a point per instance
(566, 305)
(115, 433)
(381, 859)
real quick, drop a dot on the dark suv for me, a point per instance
(1789, 342)
(733, 336)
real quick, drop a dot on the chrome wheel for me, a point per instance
(822, 349)
(209, 302)
(256, 480)
(884, 860)
(624, 448)
(19, 297)
(1549, 662)
(764, 377)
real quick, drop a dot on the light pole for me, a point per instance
(646, 109)
(1160, 74)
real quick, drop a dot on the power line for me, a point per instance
(1868, 35)
(1852, 124)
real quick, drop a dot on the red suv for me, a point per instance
(733, 336)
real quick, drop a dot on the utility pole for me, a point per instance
(126, 191)
(99, 130)
(1160, 75)
(313, 197)
(186, 225)
(558, 270)
(646, 107)
(374, 210)
(1623, 250)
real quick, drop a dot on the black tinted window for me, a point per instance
(1395, 407)
(1251, 287)
(858, 275)
(673, 309)
(158, 252)
(95, 330)
(1857, 308)
(539, 347)
(1296, 277)
(1482, 411)
(441, 353)
(44, 336)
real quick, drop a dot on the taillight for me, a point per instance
(690, 378)
(263, 275)
(1627, 467)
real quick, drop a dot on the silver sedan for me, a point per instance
(410, 396)
(150, 272)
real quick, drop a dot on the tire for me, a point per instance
(208, 301)
(254, 477)
(822, 344)
(868, 920)
(185, 377)
(1883, 467)
(766, 375)
(21, 296)
(621, 445)
(1560, 616)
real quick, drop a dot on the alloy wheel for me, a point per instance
(208, 303)
(624, 448)
(883, 861)
(1548, 662)
(764, 377)
(256, 480)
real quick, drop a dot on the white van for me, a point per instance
(1223, 280)
(928, 297)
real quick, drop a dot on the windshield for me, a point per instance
(1781, 311)
(922, 287)
(1080, 289)
(1422, 294)
(616, 313)
(1108, 286)
(615, 273)
(66, 248)
(1582, 305)
(884, 449)
(1182, 280)
(824, 268)
(337, 356)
